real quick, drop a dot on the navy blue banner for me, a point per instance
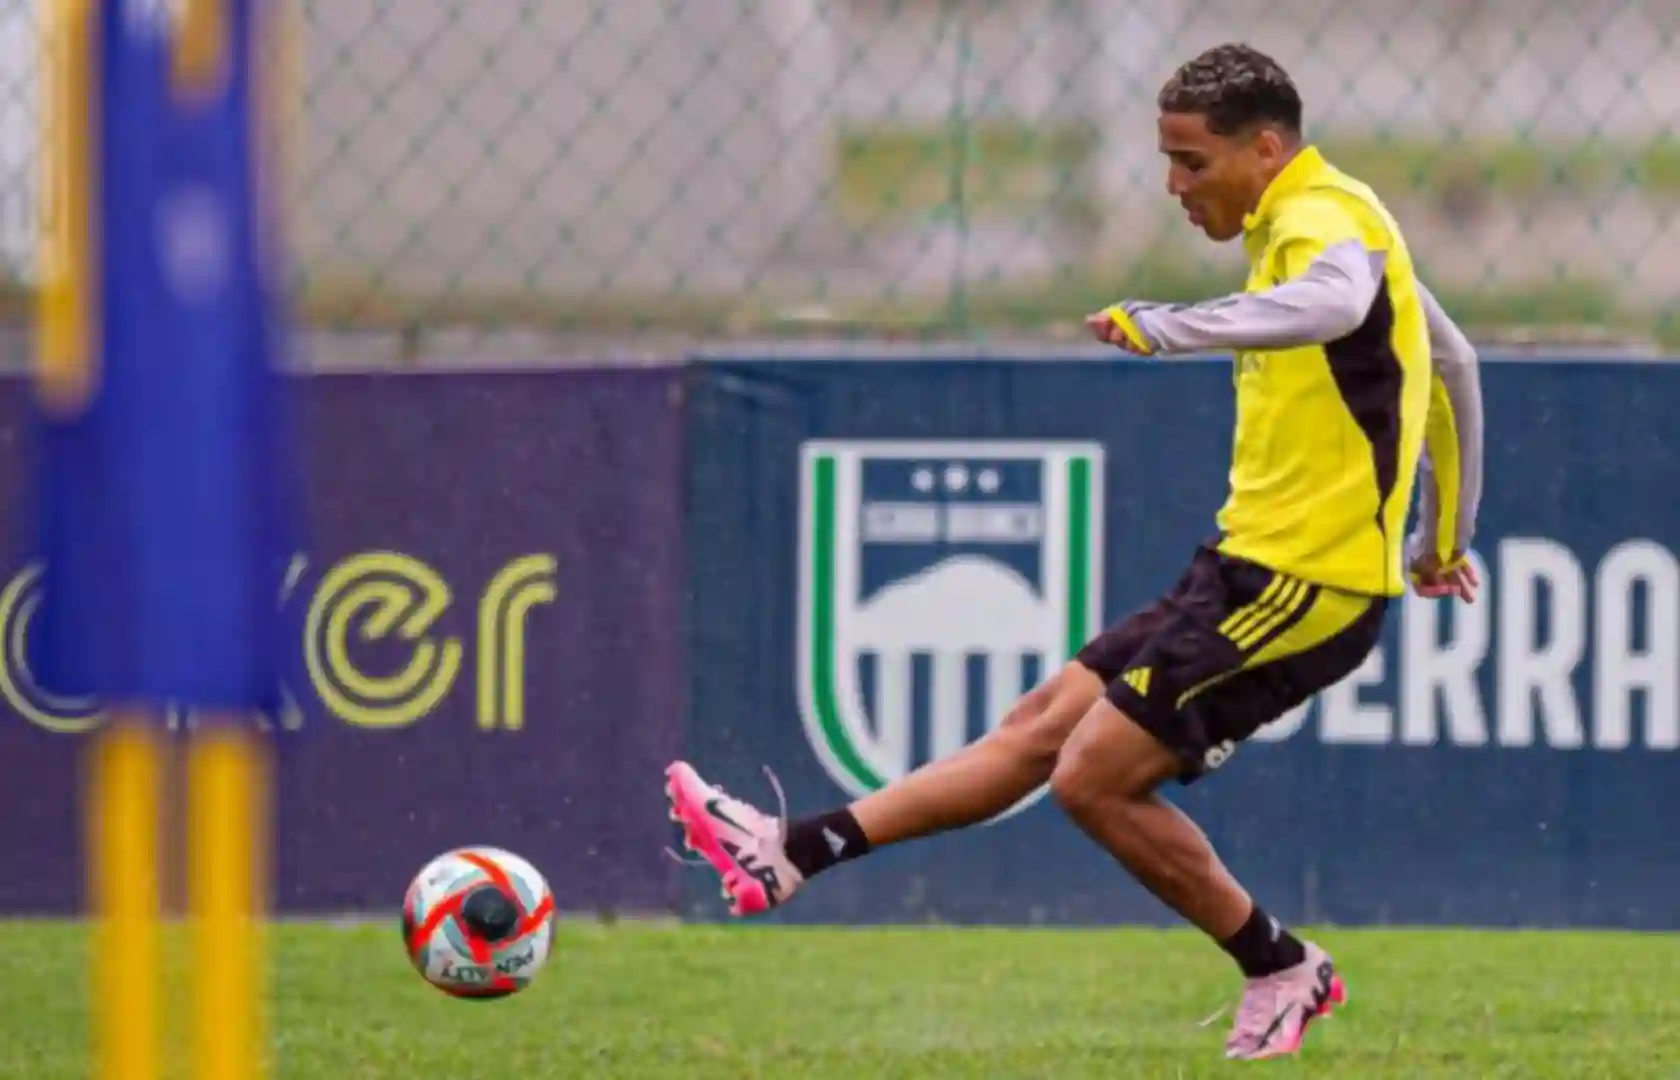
(883, 552)
(873, 557)
(489, 646)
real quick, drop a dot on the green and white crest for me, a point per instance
(938, 581)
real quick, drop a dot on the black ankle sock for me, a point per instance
(1263, 947)
(817, 843)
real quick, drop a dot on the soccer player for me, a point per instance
(1348, 374)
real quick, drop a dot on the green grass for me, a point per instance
(979, 308)
(1512, 168)
(1007, 168)
(886, 173)
(783, 1004)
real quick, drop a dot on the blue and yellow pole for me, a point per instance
(165, 484)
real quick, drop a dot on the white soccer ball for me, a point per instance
(478, 922)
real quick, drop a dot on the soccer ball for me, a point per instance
(478, 922)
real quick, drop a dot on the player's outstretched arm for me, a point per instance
(1326, 299)
(1450, 472)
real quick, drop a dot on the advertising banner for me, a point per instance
(885, 553)
(490, 650)
(526, 592)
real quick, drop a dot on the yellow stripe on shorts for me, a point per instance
(1276, 605)
(1247, 612)
(1331, 614)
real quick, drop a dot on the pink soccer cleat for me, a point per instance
(1276, 1009)
(743, 844)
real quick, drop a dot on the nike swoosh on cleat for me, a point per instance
(1265, 1040)
(714, 808)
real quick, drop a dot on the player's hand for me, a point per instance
(1106, 330)
(1113, 327)
(1457, 578)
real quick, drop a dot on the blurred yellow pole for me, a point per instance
(201, 47)
(123, 812)
(227, 806)
(65, 300)
(228, 832)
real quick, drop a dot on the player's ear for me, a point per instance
(1270, 146)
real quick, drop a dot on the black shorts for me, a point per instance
(1232, 647)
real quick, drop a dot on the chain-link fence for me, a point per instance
(943, 167)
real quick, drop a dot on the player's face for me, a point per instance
(1218, 179)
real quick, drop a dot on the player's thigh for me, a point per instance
(1109, 754)
(1041, 721)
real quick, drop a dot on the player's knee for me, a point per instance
(1082, 776)
(1108, 761)
(1072, 785)
(1085, 787)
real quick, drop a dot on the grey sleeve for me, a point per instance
(1327, 301)
(1460, 372)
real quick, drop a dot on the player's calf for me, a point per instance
(1107, 781)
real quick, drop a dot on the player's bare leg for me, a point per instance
(1107, 780)
(763, 861)
(988, 776)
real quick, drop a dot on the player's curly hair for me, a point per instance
(1235, 87)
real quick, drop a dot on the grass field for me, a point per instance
(791, 1004)
(1004, 166)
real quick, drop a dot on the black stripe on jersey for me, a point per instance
(1369, 377)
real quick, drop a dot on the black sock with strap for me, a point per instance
(1263, 947)
(817, 843)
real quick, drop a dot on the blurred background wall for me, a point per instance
(523, 171)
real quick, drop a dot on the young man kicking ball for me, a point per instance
(1348, 376)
